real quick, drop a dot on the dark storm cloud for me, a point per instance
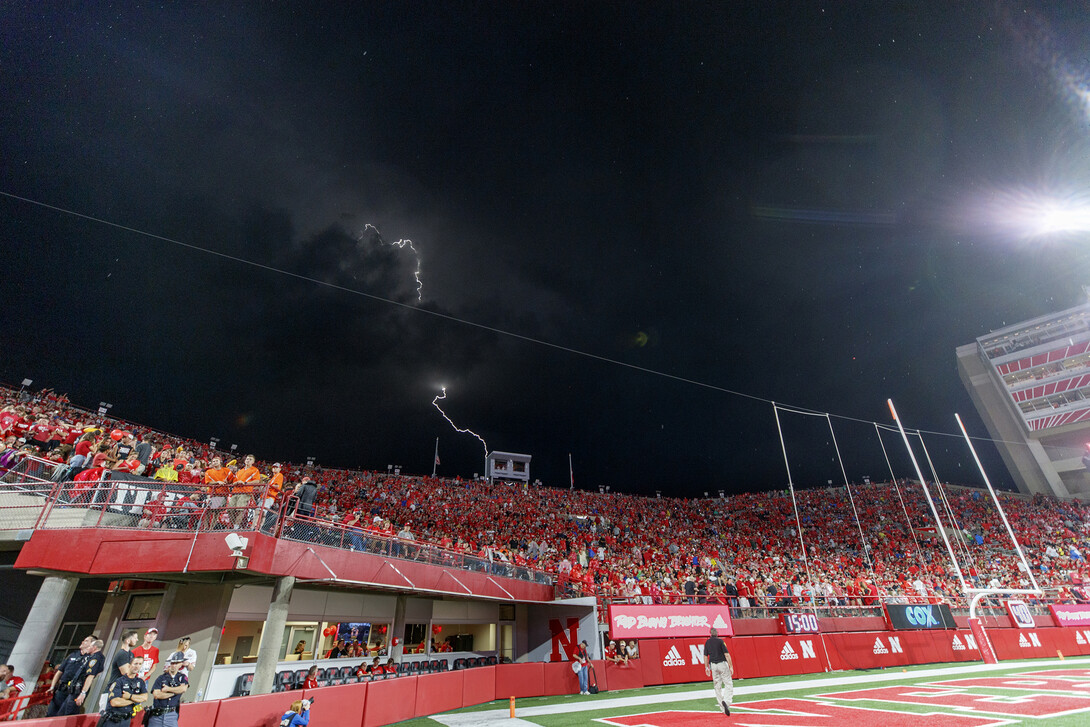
(765, 202)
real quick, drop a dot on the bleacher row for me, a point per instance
(333, 676)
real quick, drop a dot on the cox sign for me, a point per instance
(926, 616)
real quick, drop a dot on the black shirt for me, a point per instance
(715, 650)
(166, 680)
(121, 658)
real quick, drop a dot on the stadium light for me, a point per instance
(1036, 214)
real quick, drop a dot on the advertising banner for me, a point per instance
(682, 660)
(676, 621)
(1070, 614)
(916, 616)
(1020, 615)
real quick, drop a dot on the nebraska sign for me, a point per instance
(658, 622)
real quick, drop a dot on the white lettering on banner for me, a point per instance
(895, 645)
(956, 644)
(1033, 637)
(787, 652)
(970, 641)
(1071, 615)
(625, 622)
(696, 653)
(1023, 642)
(879, 647)
(807, 649)
(1079, 639)
(673, 658)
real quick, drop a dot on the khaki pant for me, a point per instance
(724, 686)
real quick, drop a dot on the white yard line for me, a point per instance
(502, 717)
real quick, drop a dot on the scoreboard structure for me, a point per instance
(1030, 382)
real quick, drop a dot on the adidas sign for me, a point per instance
(1023, 642)
(879, 647)
(719, 623)
(673, 658)
(958, 646)
(1079, 639)
(787, 652)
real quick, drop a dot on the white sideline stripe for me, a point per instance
(501, 717)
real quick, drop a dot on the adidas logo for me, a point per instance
(787, 652)
(879, 647)
(1023, 642)
(958, 646)
(673, 658)
(1079, 639)
(719, 623)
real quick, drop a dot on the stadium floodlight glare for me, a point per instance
(1035, 215)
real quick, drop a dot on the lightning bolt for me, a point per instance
(435, 403)
(401, 245)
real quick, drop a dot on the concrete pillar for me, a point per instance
(42, 624)
(269, 651)
(397, 629)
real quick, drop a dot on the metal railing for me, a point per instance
(334, 535)
(142, 504)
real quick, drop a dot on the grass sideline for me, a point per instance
(577, 711)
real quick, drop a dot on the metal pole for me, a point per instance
(927, 493)
(1002, 514)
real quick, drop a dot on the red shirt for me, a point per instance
(151, 658)
(310, 683)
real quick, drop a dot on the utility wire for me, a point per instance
(463, 321)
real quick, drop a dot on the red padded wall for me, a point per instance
(521, 680)
(558, 679)
(617, 676)
(478, 685)
(390, 700)
(258, 711)
(440, 692)
(341, 705)
(202, 714)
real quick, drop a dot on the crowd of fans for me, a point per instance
(748, 550)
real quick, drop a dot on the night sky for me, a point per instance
(792, 202)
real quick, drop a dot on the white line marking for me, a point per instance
(502, 717)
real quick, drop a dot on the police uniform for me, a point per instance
(123, 684)
(72, 680)
(164, 712)
(68, 669)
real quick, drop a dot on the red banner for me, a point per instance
(657, 622)
(1066, 614)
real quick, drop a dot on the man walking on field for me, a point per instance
(718, 665)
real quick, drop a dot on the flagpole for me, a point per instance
(571, 473)
(435, 459)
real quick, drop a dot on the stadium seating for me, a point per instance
(623, 548)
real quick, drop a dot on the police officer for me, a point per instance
(77, 688)
(167, 691)
(65, 673)
(73, 680)
(127, 694)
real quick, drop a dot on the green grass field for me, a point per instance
(1048, 691)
